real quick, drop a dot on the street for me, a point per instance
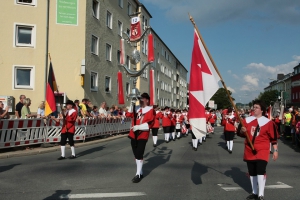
(171, 171)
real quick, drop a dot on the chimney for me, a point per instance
(280, 76)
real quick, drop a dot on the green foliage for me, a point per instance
(268, 96)
(221, 98)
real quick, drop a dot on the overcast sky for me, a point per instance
(249, 40)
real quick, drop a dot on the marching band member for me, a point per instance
(68, 129)
(173, 124)
(156, 125)
(186, 121)
(179, 119)
(229, 129)
(166, 123)
(261, 132)
(212, 119)
(139, 133)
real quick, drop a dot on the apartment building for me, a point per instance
(83, 39)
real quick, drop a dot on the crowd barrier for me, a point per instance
(22, 132)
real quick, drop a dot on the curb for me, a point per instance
(57, 148)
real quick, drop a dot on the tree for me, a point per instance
(268, 96)
(221, 98)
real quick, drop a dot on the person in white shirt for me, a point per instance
(102, 110)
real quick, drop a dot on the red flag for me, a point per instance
(152, 88)
(50, 104)
(150, 48)
(120, 88)
(135, 29)
(203, 84)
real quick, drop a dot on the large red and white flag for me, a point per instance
(203, 85)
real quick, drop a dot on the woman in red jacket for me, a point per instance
(212, 119)
(68, 129)
(229, 129)
(156, 125)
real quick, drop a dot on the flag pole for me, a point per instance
(222, 81)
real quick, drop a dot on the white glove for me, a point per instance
(141, 127)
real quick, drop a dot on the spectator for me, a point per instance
(83, 108)
(77, 107)
(25, 112)
(103, 110)
(94, 112)
(41, 110)
(19, 106)
(4, 112)
(116, 111)
(287, 124)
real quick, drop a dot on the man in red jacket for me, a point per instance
(139, 133)
(68, 129)
(166, 123)
(156, 125)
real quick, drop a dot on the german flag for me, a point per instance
(50, 105)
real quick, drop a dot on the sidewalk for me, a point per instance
(41, 150)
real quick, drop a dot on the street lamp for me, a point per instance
(284, 89)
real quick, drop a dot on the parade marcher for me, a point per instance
(139, 133)
(261, 132)
(212, 119)
(179, 119)
(156, 125)
(68, 129)
(166, 123)
(229, 129)
(173, 124)
(186, 121)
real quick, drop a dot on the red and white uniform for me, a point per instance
(179, 118)
(212, 118)
(166, 119)
(267, 133)
(157, 117)
(69, 121)
(144, 115)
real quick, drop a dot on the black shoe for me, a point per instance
(173, 139)
(252, 196)
(261, 198)
(167, 141)
(136, 179)
(154, 145)
(204, 140)
(61, 158)
(72, 157)
(271, 152)
(230, 151)
(195, 149)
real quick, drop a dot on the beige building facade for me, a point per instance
(84, 44)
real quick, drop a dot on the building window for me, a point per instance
(146, 24)
(128, 61)
(109, 20)
(96, 9)
(146, 48)
(119, 56)
(120, 28)
(24, 35)
(94, 46)
(107, 84)
(27, 2)
(23, 77)
(121, 3)
(127, 88)
(94, 81)
(128, 32)
(129, 9)
(143, 46)
(108, 52)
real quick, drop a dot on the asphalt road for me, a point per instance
(172, 171)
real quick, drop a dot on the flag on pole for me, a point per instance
(203, 85)
(120, 88)
(50, 104)
(152, 88)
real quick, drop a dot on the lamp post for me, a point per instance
(281, 93)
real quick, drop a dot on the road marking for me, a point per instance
(102, 195)
(279, 185)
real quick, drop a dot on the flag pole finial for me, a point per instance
(49, 56)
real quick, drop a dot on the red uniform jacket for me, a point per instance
(229, 125)
(179, 118)
(212, 118)
(267, 133)
(157, 117)
(144, 115)
(166, 119)
(173, 120)
(69, 122)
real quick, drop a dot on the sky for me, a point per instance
(249, 40)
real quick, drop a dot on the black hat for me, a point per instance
(167, 107)
(70, 102)
(145, 96)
